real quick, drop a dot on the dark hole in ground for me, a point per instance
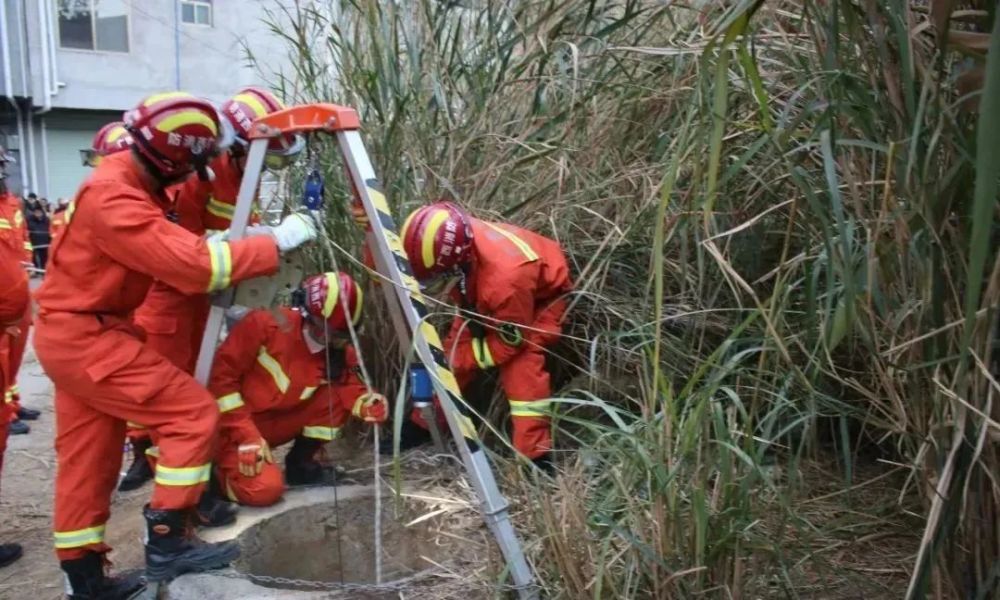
(302, 544)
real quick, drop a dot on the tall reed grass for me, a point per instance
(782, 222)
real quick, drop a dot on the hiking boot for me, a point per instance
(139, 472)
(18, 427)
(85, 580)
(302, 468)
(411, 435)
(9, 553)
(172, 549)
(28, 414)
(212, 509)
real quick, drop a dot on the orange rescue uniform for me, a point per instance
(17, 249)
(13, 304)
(270, 385)
(175, 322)
(517, 277)
(57, 224)
(116, 241)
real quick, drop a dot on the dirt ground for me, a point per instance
(26, 501)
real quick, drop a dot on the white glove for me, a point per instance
(294, 230)
(258, 230)
(217, 235)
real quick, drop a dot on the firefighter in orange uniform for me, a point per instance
(14, 234)
(516, 280)
(175, 322)
(289, 376)
(109, 139)
(116, 242)
(13, 304)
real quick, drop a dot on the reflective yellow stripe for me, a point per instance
(332, 294)
(8, 397)
(530, 408)
(307, 393)
(427, 244)
(116, 133)
(321, 433)
(182, 476)
(134, 425)
(153, 451)
(5, 224)
(230, 402)
(187, 117)
(356, 317)
(521, 244)
(482, 354)
(253, 102)
(271, 366)
(222, 265)
(28, 246)
(79, 537)
(151, 100)
(69, 212)
(220, 209)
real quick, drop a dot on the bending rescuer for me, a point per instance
(516, 280)
(289, 375)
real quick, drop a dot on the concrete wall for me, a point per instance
(164, 54)
(65, 133)
(167, 54)
(52, 106)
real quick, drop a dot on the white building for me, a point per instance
(70, 66)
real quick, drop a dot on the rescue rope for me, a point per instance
(366, 379)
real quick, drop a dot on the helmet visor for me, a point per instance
(89, 157)
(278, 159)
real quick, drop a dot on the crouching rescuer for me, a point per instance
(117, 240)
(289, 375)
(509, 285)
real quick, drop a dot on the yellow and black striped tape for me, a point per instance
(386, 227)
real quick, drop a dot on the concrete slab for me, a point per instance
(229, 584)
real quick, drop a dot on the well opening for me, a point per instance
(302, 543)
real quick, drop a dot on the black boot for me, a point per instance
(411, 435)
(28, 414)
(545, 464)
(18, 427)
(172, 549)
(139, 471)
(86, 580)
(9, 553)
(212, 509)
(302, 468)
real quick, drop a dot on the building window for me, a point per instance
(197, 12)
(93, 24)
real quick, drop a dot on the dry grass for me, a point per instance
(779, 217)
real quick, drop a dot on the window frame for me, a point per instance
(195, 4)
(93, 31)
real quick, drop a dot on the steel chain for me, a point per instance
(330, 586)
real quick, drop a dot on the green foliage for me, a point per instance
(781, 220)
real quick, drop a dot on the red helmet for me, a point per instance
(251, 104)
(177, 132)
(109, 139)
(437, 238)
(325, 296)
